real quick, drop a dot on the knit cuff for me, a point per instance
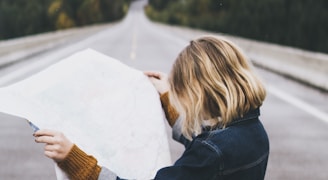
(80, 166)
(170, 113)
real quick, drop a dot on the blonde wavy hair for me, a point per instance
(211, 81)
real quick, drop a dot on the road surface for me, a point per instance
(294, 115)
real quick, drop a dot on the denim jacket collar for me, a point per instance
(252, 114)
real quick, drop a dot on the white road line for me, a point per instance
(133, 46)
(299, 103)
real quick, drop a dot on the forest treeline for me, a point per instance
(298, 23)
(26, 17)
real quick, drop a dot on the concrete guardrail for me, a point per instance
(305, 66)
(17, 49)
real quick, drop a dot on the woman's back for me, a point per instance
(239, 151)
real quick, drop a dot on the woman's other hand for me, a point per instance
(57, 146)
(159, 80)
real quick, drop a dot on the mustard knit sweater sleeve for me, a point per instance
(80, 166)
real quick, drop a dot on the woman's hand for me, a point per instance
(159, 80)
(57, 145)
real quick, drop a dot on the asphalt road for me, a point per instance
(294, 115)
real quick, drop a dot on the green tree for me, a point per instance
(21, 17)
(113, 9)
(299, 23)
(18, 18)
(160, 4)
(89, 12)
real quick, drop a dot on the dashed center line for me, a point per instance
(133, 54)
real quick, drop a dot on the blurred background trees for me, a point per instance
(298, 23)
(25, 17)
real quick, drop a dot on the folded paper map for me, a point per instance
(108, 109)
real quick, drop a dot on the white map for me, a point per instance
(108, 109)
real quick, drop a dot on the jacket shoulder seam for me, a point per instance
(247, 166)
(217, 151)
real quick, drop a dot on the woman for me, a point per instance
(211, 99)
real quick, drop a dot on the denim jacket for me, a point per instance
(238, 152)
